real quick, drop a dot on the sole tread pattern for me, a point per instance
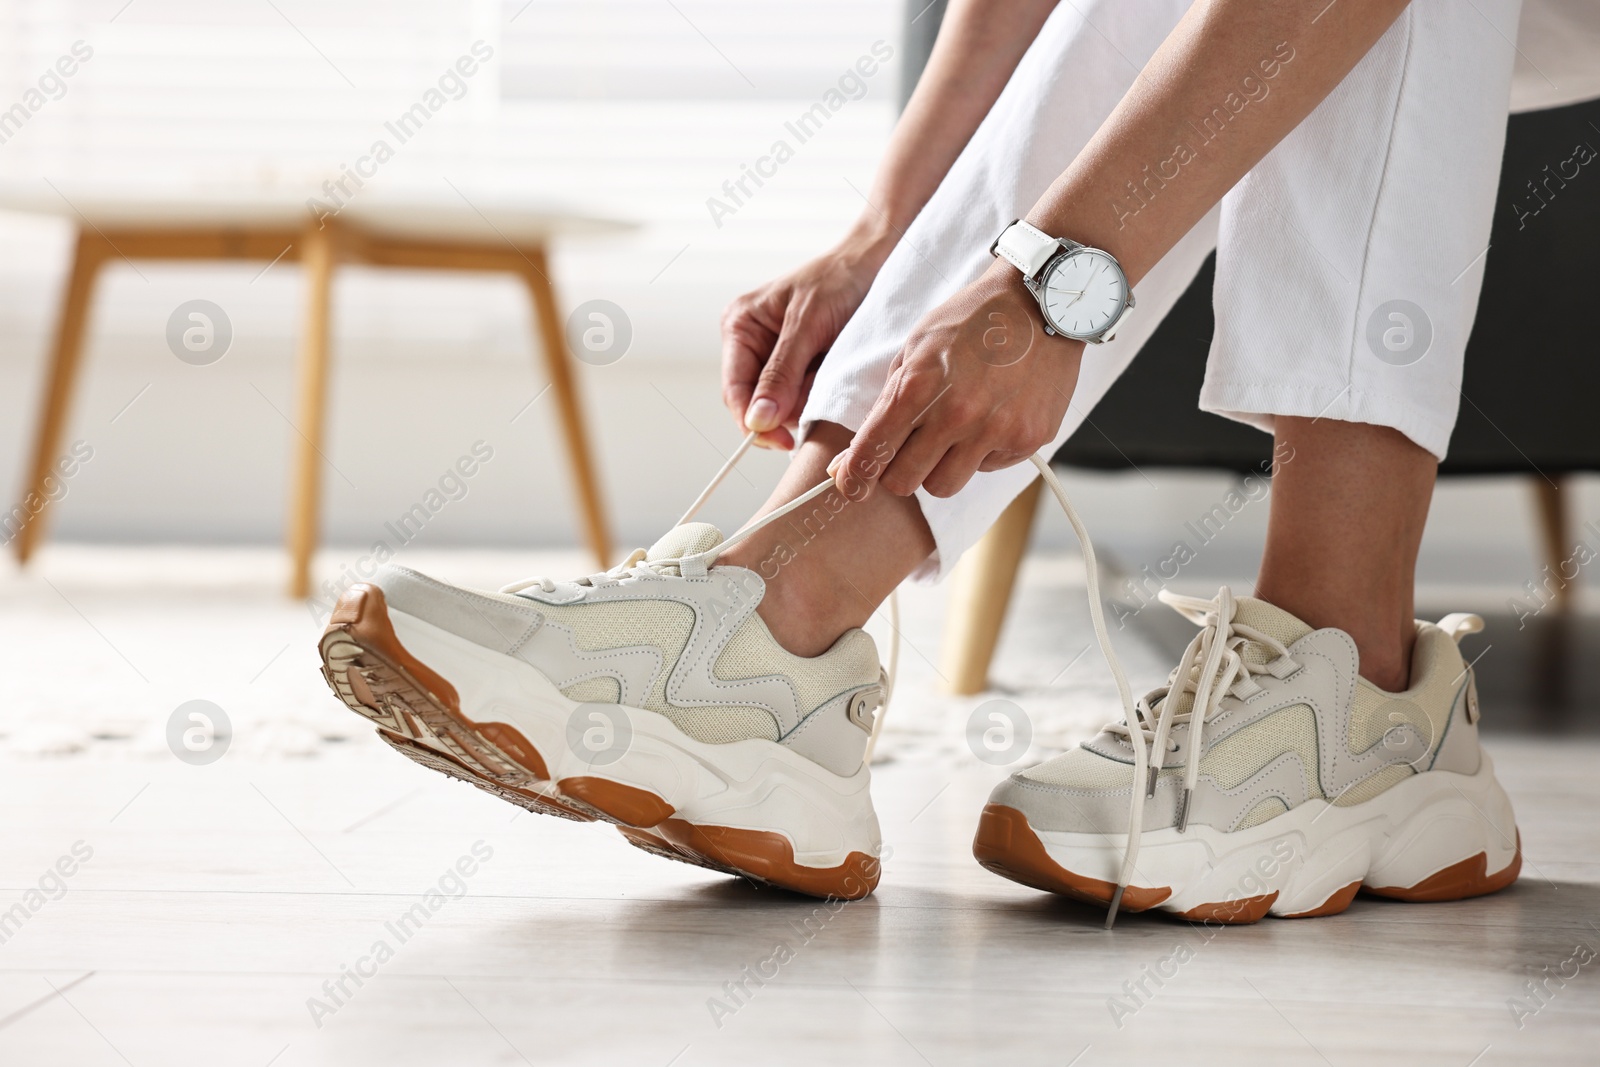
(417, 712)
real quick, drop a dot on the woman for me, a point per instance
(1056, 169)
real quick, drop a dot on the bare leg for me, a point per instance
(829, 566)
(1348, 505)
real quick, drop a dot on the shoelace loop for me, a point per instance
(1212, 667)
(696, 564)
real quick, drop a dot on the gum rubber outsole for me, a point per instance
(1007, 845)
(418, 712)
(448, 765)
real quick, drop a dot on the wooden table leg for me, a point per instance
(311, 388)
(558, 361)
(65, 358)
(1553, 526)
(980, 592)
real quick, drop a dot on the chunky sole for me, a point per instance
(1436, 836)
(751, 808)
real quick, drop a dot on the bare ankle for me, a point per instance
(800, 623)
(1387, 664)
(1383, 644)
(829, 565)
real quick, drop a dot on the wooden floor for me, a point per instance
(220, 907)
(215, 906)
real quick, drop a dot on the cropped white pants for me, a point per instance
(1348, 260)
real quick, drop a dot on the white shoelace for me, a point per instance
(695, 565)
(1135, 723)
(1211, 668)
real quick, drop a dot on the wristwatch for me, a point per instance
(1081, 290)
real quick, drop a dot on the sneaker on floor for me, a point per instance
(1299, 784)
(651, 696)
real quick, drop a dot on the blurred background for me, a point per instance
(230, 880)
(646, 112)
(630, 108)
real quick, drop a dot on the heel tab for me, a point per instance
(1461, 623)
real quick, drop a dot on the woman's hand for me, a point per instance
(978, 386)
(773, 337)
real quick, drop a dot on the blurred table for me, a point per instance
(279, 225)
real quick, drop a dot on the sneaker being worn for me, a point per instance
(1296, 784)
(651, 696)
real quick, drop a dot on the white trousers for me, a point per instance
(1348, 260)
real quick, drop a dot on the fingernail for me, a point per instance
(833, 467)
(762, 415)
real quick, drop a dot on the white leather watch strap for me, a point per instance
(1025, 247)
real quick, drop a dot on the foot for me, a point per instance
(651, 696)
(1308, 784)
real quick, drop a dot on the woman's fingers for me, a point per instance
(906, 397)
(960, 463)
(776, 396)
(1001, 459)
(749, 332)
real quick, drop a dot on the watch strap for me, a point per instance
(1025, 247)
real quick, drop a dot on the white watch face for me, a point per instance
(1084, 293)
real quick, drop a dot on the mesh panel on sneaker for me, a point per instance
(1270, 808)
(594, 691)
(663, 624)
(1270, 620)
(1236, 759)
(1258, 615)
(752, 652)
(687, 540)
(1437, 674)
(1231, 763)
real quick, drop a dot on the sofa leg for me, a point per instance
(980, 592)
(1553, 525)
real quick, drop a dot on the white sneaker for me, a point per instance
(1298, 783)
(651, 696)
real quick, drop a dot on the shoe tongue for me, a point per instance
(687, 540)
(1270, 620)
(1265, 618)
